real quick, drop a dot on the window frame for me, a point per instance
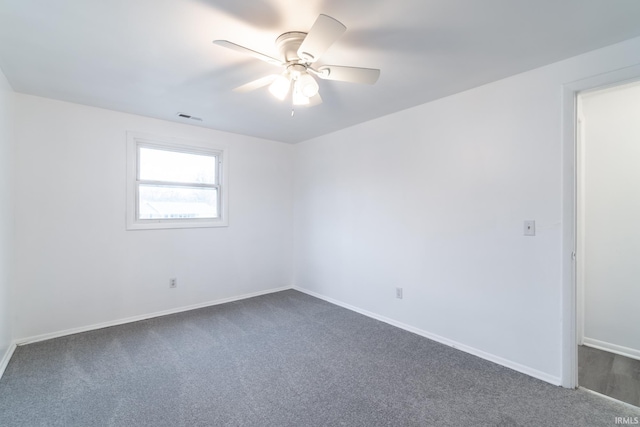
(135, 141)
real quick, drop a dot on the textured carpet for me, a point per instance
(284, 359)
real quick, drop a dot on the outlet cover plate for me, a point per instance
(529, 227)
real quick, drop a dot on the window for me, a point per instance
(174, 184)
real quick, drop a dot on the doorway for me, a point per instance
(607, 241)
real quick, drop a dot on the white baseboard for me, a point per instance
(4, 362)
(48, 336)
(612, 348)
(467, 349)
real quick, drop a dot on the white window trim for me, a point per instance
(136, 139)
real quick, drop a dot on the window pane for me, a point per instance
(163, 165)
(158, 202)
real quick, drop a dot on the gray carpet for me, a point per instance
(285, 359)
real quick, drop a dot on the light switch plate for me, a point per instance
(529, 227)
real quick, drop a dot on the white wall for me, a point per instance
(432, 199)
(6, 215)
(612, 209)
(76, 263)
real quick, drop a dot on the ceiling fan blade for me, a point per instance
(315, 100)
(349, 74)
(247, 51)
(322, 34)
(256, 84)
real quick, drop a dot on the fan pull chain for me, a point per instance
(293, 112)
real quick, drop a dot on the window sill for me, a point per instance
(173, 224)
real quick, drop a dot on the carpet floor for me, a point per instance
(284, 359)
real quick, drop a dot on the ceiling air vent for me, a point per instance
(189, 116)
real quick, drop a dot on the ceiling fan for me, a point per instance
(298, 52)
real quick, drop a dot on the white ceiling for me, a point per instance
(156, 58)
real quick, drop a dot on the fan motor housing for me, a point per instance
(288, 44)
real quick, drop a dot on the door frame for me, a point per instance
(569, 210)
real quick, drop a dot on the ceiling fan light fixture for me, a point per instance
(298, 50)
(298, 97)
(280, 87)
(308, 85)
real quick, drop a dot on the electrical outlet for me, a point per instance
(399, 293)
(173, 282)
